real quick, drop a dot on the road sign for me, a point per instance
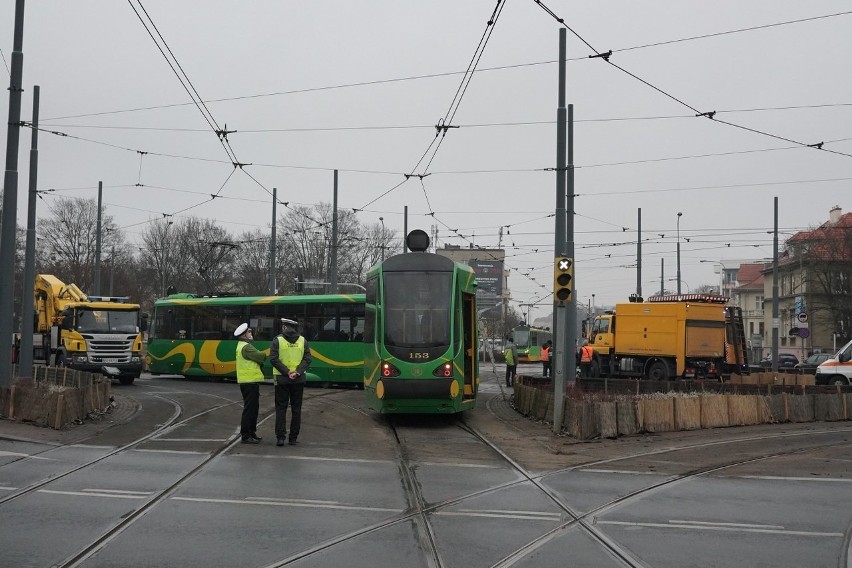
(804, 332)
(802, 317)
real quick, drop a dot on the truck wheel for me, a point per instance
(658, 371)
(126, 380)
(839, 380)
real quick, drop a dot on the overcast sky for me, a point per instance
(310, 87)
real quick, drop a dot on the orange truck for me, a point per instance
(692, 336)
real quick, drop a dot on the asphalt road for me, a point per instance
(163, 481)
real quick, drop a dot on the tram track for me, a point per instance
(421, 512)
(586, 520)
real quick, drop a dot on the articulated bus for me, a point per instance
(420, 333)
(529, 341)
(193, 336)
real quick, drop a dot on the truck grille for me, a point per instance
(109, 348)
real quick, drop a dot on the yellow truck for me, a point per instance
(692, 336)
(96, 334)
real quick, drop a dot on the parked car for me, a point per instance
(785, 361)
(809, 365)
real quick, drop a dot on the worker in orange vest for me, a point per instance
(545, 358)
(586, 356)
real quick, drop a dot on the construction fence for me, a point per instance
(56, 397)
(589, 414)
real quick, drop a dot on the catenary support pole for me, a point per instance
(776, 323)
(559, 244)
(25, 361)
(405, 229)
(273, 285)
(10, 200)
(96, 287)
(333, 278)
(639, 253)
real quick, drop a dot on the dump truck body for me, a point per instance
(667, 337)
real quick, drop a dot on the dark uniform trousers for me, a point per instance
(288, 393)
(251, 406)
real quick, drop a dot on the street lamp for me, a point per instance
(382, 221)
(678, 252)
(722, 269)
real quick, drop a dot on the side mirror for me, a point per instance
(844, 357)
(143, 323)
(67, 323)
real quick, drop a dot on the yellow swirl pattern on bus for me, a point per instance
(185, 349)
(368, 380)
(210, 362)
(330, 361)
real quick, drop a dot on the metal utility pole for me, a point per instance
(639, 254)
(96, 288)
(10, 200)
(564, 311)
(25, 358)
(271, 289)
(333, 278)
(405, 230)
(111, 268)
(382, 241)
(776, 320)
(662, 276)
(678, 252)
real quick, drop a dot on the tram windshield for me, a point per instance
(417, 308)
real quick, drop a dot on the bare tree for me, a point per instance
(251, 276)
(159, 246)
(204, 254)
(70, 234)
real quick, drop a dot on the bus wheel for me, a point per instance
(658, 371)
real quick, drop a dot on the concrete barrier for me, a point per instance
(55, 397)
(588, 417)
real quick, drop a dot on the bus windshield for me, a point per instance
(107, 321)
(417, 309)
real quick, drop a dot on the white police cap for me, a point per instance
(241, 329)
(291, 323)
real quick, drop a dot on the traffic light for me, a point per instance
(563, 278)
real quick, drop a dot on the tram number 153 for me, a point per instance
(418, 355)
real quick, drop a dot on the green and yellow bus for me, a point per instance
(193, 335)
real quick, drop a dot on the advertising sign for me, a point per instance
(489, 280)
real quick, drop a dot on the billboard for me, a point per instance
(489, 280)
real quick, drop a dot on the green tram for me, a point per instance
(420, 333)
(529, 341)
(193, 336)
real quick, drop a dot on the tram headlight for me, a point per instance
(444, 370)
(389, 370)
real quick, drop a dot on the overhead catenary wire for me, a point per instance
(607, 57)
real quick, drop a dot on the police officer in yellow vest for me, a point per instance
(290, 356)
(249, 376)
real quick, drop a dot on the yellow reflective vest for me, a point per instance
(248, 371)
(290, 354)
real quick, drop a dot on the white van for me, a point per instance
(838, 369)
